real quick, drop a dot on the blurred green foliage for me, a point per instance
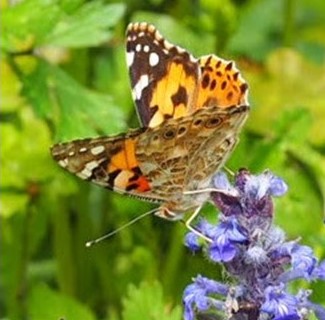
(63, 76)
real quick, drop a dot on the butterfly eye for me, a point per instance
(169, 133)
(213, 122)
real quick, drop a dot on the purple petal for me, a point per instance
(319, 272)
(222, 250)
(257, 186)
(280, 304)
(233, 231)
(265, 184)
(211, 286)
(221, 182)
(206, 228)
(192, 241)
(288, 316)
(303, 259)
(277, 186)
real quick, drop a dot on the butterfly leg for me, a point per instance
(209, 190)
(193, 229)
(229, 171)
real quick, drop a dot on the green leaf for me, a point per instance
(10, 87)
(11, 203)
(27, 22)
(46, 304)
(287, 153)
(32, 23)
(76, 111)
(282, 87)
(146, 302)
(87, 26)
(22, 147)
(26, 162)
(292, 126)
(258, 23)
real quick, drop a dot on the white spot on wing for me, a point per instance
(153, 59)
(83, 174)
(138, 47)
(63, 163)
(91, 165)
(141, 84)
(101, 183)
(146, 48)
(87, 171)
(97, 150)
(129, 58)
(83, 149)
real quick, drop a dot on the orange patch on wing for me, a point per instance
(221, 84)
(125, 158)
(167, 88)
(143, 184)
(180, 111)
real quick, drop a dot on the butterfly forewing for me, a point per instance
(163, 77)
(168, 82)
(221, 84)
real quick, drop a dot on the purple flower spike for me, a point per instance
(254, 253)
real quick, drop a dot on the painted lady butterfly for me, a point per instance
(191, 111)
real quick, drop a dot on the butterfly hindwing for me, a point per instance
(194, 148)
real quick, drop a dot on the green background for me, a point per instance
(63, 76)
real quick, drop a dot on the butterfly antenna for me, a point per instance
(110, 234)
